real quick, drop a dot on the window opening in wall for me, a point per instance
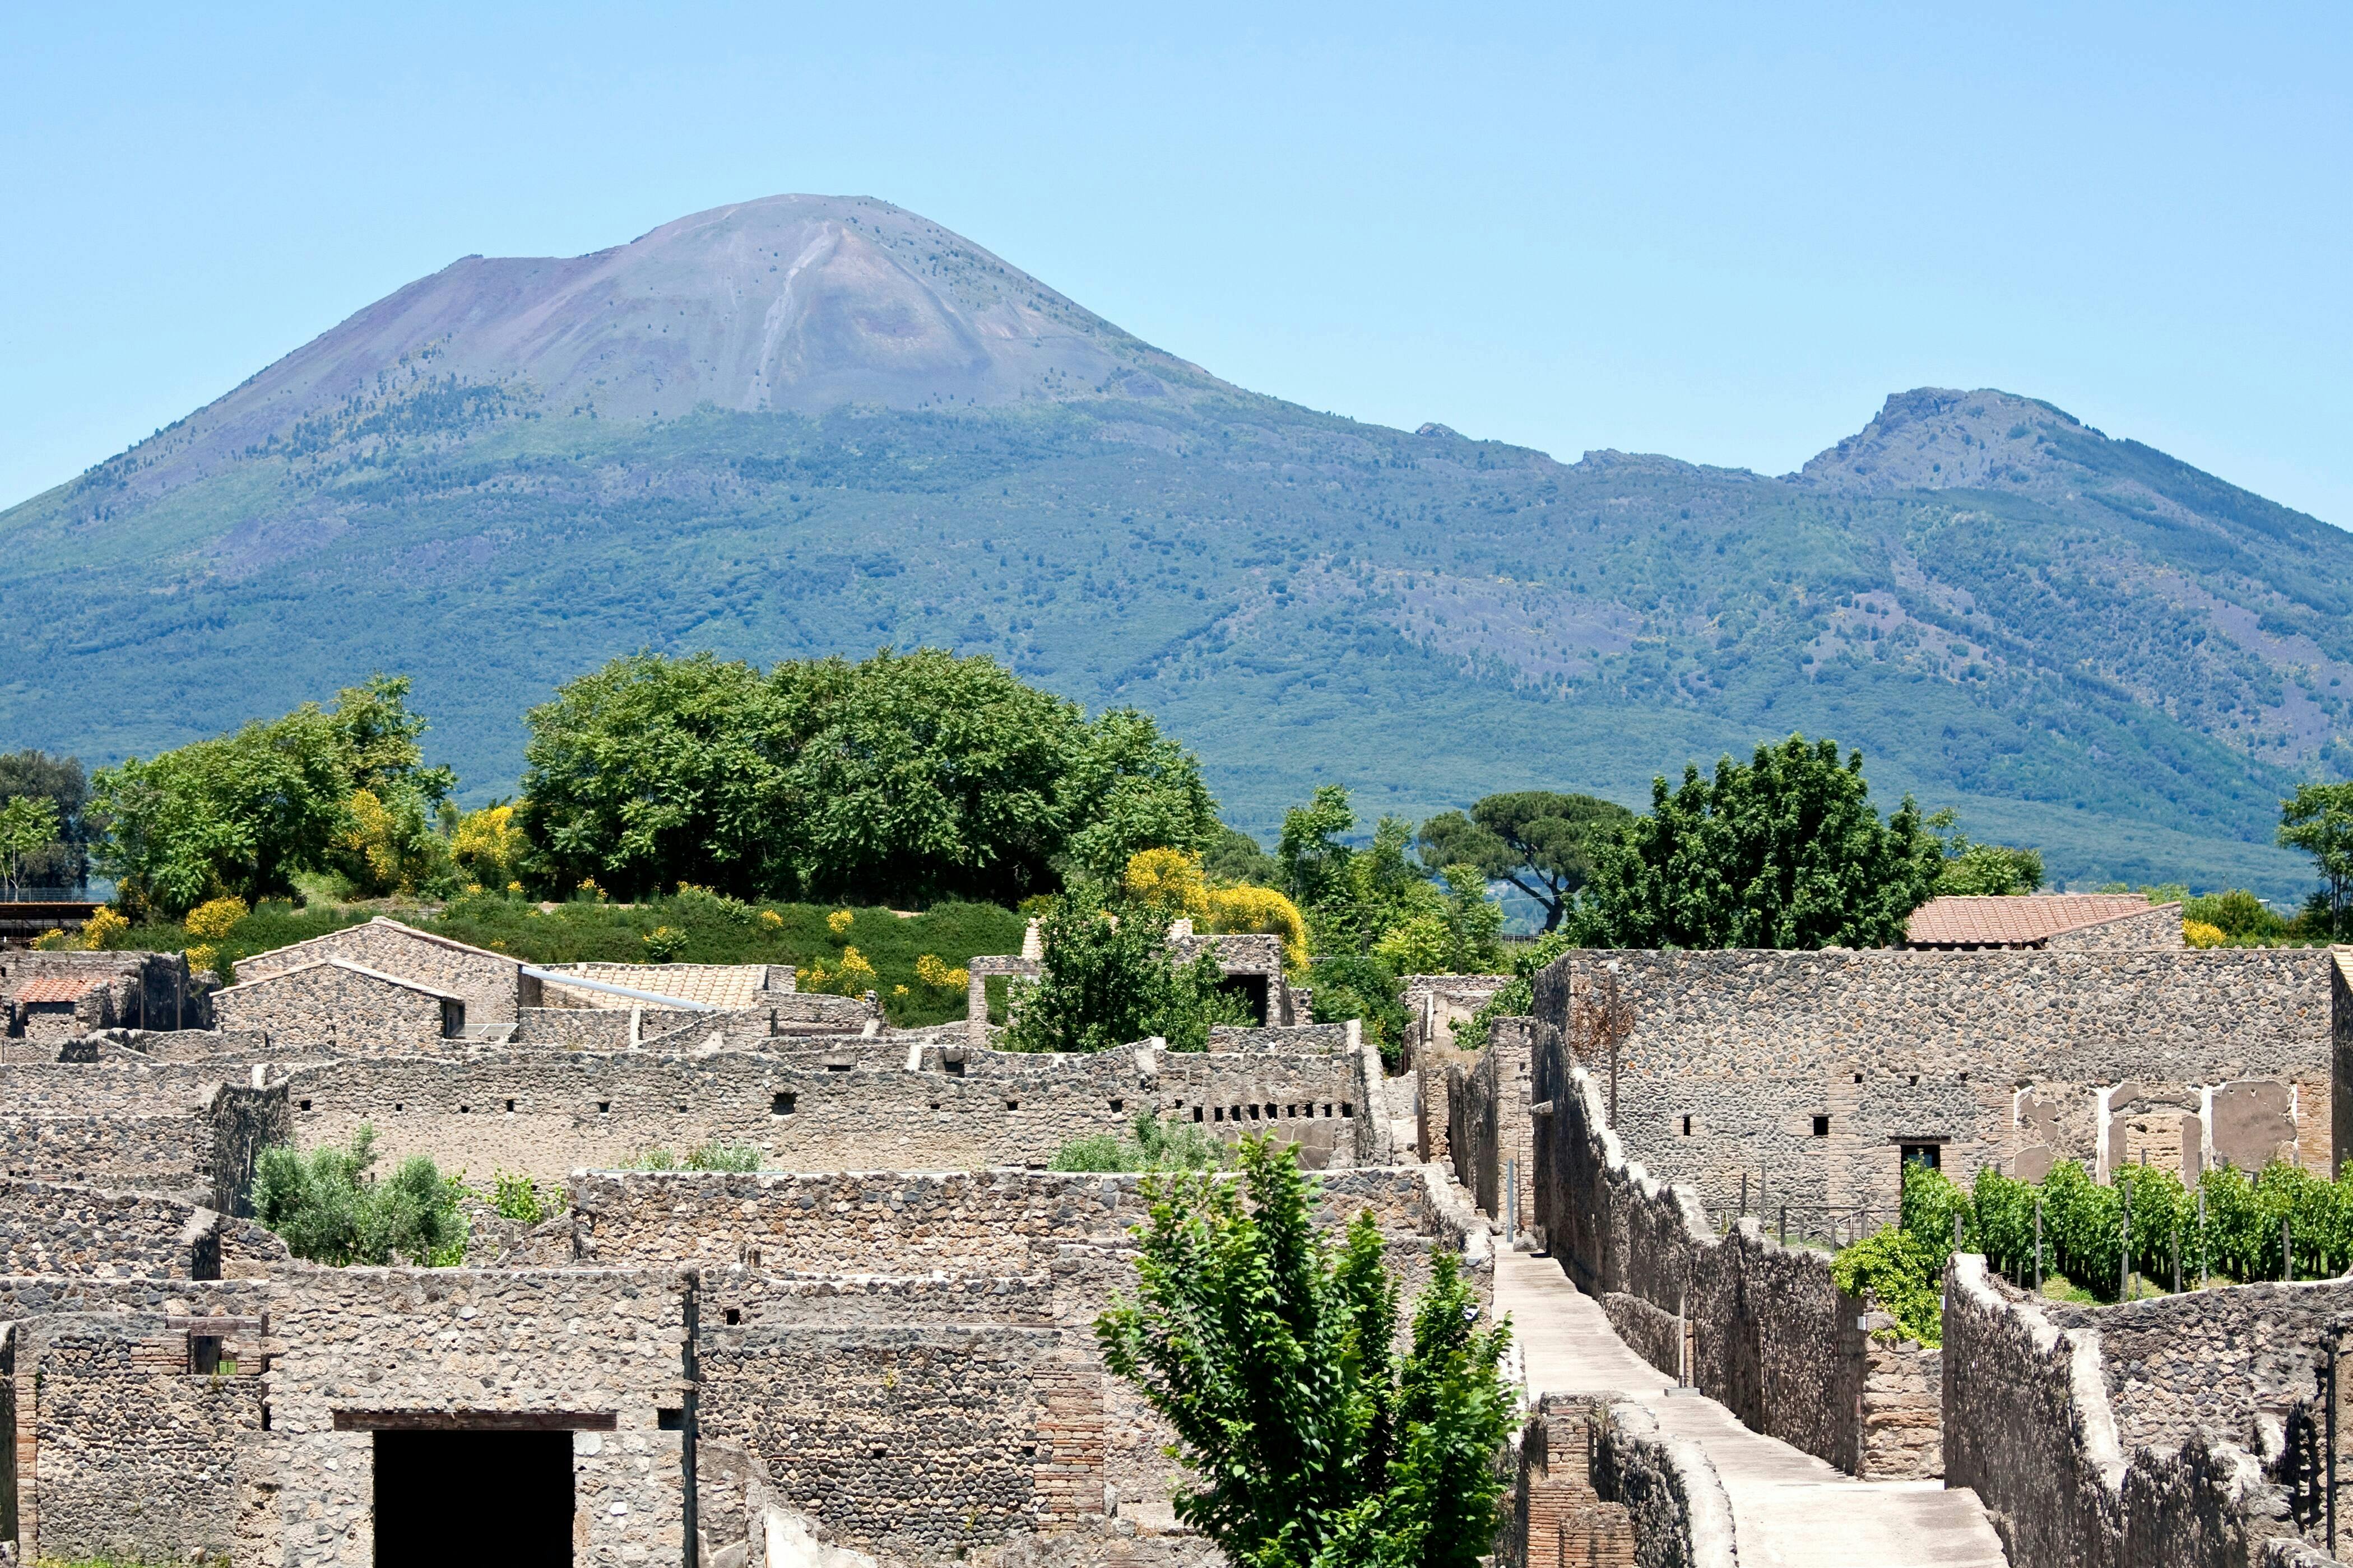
(1012, 1105)
(506, 1495)
(1822, 1126)
(669, 1418)
(1858, 1078)
(1327, 1110)
(1254, 1114)
(1929, 1154)
(397, 1106)
(783, 1104)
(1270, 1113)
(1686, 1126)
(511, 1108)
(302, 1105)
(734, 1316)
(604, 1108)
(1119, 1105)
(1197, 1113)
(1916, 1081)
(465, 1110)
(954, 1067)
(1347, 1108)
(1222, 1114)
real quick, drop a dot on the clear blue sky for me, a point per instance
(1720, 232)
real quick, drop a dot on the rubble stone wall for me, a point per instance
(818, 1106)
(2158, 928)
(1489, 1135)
(337, 1011)
(490, 982)
(2031, 1425)
(61, 1228)
(1808, 1073)
(1756, 1325)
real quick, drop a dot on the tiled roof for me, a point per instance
(2018, 920)
(58, 988)
(723, 986)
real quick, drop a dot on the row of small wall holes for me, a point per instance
(785, 1104)
(1822, 1126)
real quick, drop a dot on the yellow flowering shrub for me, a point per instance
(853, 976)
(50, 940)
(2198, 934)
(102, 929)
(839, 921)
(202, 956)
(488, 843)
(933, 971)
(215, 918)
(771, 918)
(1237, 911)
(1169, 881)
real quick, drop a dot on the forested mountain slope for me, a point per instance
(506, 473)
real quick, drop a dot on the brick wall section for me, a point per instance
(1747, 1049)
(333, 1007)
(2030, 1425)
(1772, 1337)
(819, 1107)
(1558, 1519)
(490, 982)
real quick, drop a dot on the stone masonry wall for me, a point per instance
(336, 1010)
(57, 1228)
(1757, 1326)
(1490, 1134)
(136, 990)
(1807, 1073)
(817, 1108)
(2030, 1425)
(2157, 927)
(490, 982)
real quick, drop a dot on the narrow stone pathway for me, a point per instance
(1789, 1509)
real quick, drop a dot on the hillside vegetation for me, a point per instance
(2077, 641)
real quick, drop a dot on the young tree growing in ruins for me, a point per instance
(1785, 851)
(29, 825)
(1310, 1439)
(1111, 980)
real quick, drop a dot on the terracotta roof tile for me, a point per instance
(58, 988)
(2015, 922)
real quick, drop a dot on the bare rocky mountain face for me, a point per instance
(810, 425)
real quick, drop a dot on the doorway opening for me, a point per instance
(505, 1496)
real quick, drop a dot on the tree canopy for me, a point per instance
(1111, 980)
(239, 815)
(908, 777)
(1540, 841)
(1309, 1441)
(2318, 820)
(1784, 851)
(62, 859)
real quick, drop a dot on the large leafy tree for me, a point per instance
(904, 778)
(63, 860)
(1309, 1439)
(2318, 820)
(1540, 841)
(239, 815)
(1784, 851)
(652, 771)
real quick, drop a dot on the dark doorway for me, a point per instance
(485, 1497)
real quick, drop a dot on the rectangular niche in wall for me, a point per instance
(499, 1496)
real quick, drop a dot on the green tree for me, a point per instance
(1981, 869)
(331, 1209)
(236, 815)
(64, 862)
(1540, 841)
(2318, 820)
(1461, 936)
(1309, 1441)
(1126, 789)
(1235, 859)
(1111, 980)
(653, 771)
(922, 776)
(28, 826)
(1783, 852)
